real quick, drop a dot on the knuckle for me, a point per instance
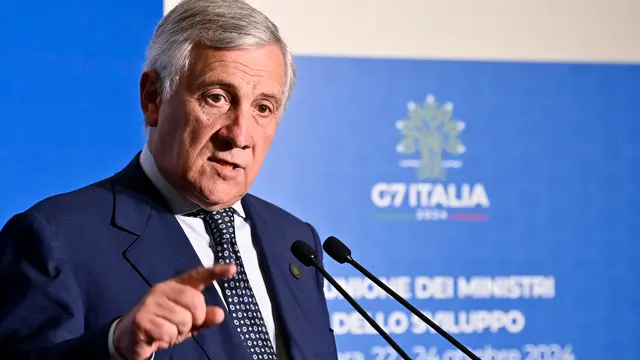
(139, 319)
(189, 297)
(145, 330)
(199, 270)
(199, 298)
(193, 274)
(185, 322)
(198, 309)
(168, 334)
(194, 299)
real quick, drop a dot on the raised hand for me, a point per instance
(169, 313)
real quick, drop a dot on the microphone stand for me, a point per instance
(307, 256)
(411, 308)
(360, 310)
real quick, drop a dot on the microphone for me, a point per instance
(307, 256)
(342, 254)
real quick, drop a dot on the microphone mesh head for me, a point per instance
(303, 252)
(336, 249)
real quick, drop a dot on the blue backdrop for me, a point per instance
(523, 241)
(500, 198)
(70, 108)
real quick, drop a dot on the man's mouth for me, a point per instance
(225, 163)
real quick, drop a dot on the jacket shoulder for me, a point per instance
(81, 202)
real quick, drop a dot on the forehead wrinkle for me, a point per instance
(241, 67)
(246, 73)
(250, 75)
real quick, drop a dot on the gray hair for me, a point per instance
(220, 24)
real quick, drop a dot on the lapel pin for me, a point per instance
(295, 271)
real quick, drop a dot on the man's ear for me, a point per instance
(150, 97)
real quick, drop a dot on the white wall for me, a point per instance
(540, 30)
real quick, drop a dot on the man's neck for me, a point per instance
(177, 202)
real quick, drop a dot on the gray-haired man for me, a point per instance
(171, 257)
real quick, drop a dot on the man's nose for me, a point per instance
(237, 131)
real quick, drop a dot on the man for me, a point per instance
(124, 268)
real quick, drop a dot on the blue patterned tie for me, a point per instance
(236, 291)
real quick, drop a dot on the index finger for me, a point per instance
(200, 277)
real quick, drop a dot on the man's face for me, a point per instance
(210, 137)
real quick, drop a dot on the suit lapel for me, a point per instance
(162, 251)
(273, 247)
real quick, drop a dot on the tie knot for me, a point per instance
(220, 216)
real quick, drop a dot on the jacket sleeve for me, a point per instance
(41, 307)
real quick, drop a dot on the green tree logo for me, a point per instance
(430, 130)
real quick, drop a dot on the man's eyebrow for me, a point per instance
(208, 83)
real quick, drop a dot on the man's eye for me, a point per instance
(264, 109)
(216, 98)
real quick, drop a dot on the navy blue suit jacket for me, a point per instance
(73, 263)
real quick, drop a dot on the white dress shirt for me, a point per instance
(195, 231)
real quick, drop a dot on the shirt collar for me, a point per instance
(178, 203)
